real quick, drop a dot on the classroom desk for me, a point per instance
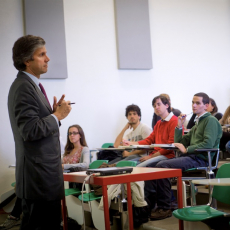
(138, 174)
(216, 181)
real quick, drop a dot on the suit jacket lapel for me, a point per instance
(40, 94)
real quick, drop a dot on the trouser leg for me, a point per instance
(163, 186)
(17, 210)
(41, 215)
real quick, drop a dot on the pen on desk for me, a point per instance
(72, 103)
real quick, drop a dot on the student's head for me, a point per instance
(75, 134)
(161, 106)
(133, 114)
(200, 103)
(212, 107)
(167, 96)
(29, 54)
(225, 119)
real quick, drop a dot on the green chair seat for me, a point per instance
(106, 145)
(89, 197)
(72, 191)
(13, 184)
(197, 213)
(126, 163)
(96, 164)
(205, 213)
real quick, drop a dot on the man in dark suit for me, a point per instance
(35, 126)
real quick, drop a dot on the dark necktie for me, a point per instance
(44, 92)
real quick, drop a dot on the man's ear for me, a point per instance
(27, 63)
(206, 106)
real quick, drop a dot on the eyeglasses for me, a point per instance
(74, 133)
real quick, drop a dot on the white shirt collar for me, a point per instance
(168, 117)
(198, 118)
(33, 78)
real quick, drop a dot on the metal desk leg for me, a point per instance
(130, 210)
(180, 199)
(106, 207)
(64, 214)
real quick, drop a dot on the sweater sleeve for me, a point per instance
(183, 139)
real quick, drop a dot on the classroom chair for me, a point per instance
(73, 203)
(214, 219)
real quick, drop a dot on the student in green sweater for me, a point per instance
(206, 133)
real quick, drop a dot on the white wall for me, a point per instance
(11, 27)
(191, 53)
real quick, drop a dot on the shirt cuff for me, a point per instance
(55, 119)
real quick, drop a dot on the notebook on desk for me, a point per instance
(110, 171)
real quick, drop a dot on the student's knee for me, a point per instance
(162, 164)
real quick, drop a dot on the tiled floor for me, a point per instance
(167, 224)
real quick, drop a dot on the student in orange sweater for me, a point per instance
(163, 133)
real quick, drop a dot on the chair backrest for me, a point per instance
(106, 145)
(126, 163)
(221, 193)
(96, 164)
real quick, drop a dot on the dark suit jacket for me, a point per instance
(36, 135)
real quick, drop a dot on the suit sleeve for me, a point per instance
(33, 118)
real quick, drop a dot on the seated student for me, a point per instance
(212, 108)
(139, 132)
(76, 150)
(205, 134)
(156, 118)
(163, 133)
(225, 120)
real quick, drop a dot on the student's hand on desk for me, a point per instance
(125, 142)
(180, 147)
(145, 158)
(128, 143)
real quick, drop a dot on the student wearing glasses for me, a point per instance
(76, 153)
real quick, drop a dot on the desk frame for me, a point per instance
(138, 174)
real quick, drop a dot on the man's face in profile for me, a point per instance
(39, 64)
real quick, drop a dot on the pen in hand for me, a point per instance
(186, 115)
(69, 103)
